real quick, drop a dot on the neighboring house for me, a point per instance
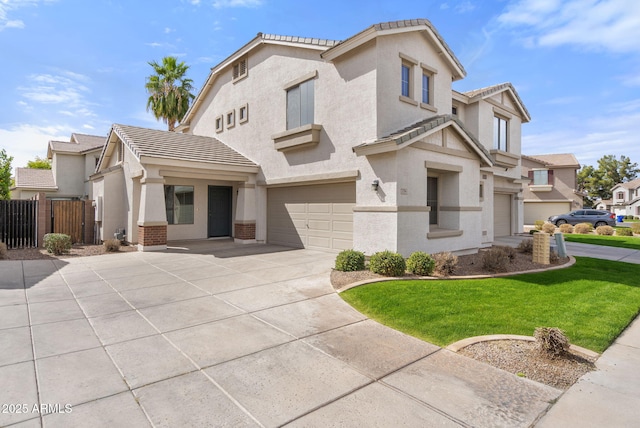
(604, 204)
(552, 187)
(72, 162)
(327, 145)
(29, 182)
(626, 198)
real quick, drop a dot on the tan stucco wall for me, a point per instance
(69, 172)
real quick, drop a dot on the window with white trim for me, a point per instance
(219, 124)
(231, 119)
(500, 133)
(405, 73)
(300, 104)
(243, 113)
(178, 201)
(541, 177)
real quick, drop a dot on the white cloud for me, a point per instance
(465, 7)
(219, 4)
(7, 6)
(610, 25)
(65, 88)
(24, 142)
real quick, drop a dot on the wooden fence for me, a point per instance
(68, 217)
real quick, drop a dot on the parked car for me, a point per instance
(595, 217)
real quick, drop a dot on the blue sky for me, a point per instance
(79, 66)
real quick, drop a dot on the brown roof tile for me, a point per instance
(34, 178)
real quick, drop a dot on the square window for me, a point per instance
(178, 201)
(231, 119)
(540, 178)
(243, 113)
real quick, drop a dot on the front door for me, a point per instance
(219, 223)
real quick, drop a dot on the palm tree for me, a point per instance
(169, 91)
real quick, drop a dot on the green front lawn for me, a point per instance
(592, 301)
(632, 242)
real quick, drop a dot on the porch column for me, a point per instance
(152, 219)
(245, 221)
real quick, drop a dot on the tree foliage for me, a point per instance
(597, 182)
(39, 163)
(169, 91)
(5, 175)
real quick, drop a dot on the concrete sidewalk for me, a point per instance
(610, 396)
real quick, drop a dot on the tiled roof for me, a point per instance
(34, 178)
(558, 159)
(424, 126)
(296, 39)
(633, 184)
(79, 143)
(490, 90)
(173, 145)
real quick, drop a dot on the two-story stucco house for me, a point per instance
(626, 198)
(552, 187)
(72, 162)
(326, 144)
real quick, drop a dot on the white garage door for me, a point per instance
(543, 210)
(318, 216)
(501, 214)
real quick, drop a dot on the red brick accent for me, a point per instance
(152, 235)
(245, 231)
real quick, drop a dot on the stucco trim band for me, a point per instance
(305, 180)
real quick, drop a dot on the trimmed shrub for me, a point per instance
(583, 228)
(549, 228)
(3, 251)
(509, 252)
(604, 230)
(57, 243)
(538, 224)
(349, 261)
(566, 228)
(495, 260)
(446, 263)
(112, 245)
(526, 246)
(387, 263)
(551, 341)
(532, 231)
(635, 227)
(624, 231)
(420, 263)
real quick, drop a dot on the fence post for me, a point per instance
(43, 217)
(89, 222)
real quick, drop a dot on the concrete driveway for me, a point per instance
(223, 335)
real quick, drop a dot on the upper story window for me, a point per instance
(500, 133)
(231, 119)
(406, 80)
(620, 195)
(426, 93)
(541, 177)
(219, 124)
(243, 113)
(240, 69)
(300, 101)
(454, 110)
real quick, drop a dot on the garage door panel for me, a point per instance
(319, 216)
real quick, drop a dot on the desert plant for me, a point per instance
(3, 251)
(495, 260)
(420, 263)
(635, 227)
(551, 341)
(349, 261)
(538, 224)
(604, 230)
(583, 228)
(525, 246)
(57, 243)
(566, 228)
(624, 231)
(387, 263)
(509, 252)
(549, 228)
(112, 245)
(446, 263)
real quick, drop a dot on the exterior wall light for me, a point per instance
(375, 185)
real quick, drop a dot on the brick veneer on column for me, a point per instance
(152, 235)
(245, 231)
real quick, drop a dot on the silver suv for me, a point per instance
(595, 217)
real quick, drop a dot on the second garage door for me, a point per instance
(318, 216)
(501, 214)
